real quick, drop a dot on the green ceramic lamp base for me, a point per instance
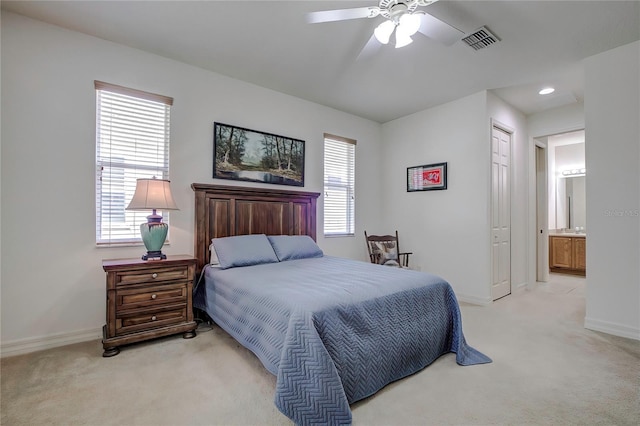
(154, 235)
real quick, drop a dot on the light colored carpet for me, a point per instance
(547, 370)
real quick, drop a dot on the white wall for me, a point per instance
(0, 187)
(557, 120)
(445, 229)
(53, 288)
(448, 231)
(569, 157)
(612, 116)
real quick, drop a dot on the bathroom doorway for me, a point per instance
(560, 204)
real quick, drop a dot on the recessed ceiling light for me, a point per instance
(547, 90)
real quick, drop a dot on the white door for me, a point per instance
(500, 213)
(542, 214)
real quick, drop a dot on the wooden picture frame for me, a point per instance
(254, 156)
(428, 177)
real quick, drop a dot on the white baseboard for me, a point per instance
(612, 328)
(521, 285)
(474, 300)
(34, 344)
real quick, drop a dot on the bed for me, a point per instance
(333, 331)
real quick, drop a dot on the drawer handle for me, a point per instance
(153, 296)
(154, 275)
(153, 318)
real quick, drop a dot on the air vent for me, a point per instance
(481, 38)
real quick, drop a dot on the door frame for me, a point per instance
(532, 262)
(511, 131)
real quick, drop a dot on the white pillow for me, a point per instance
(213, 257)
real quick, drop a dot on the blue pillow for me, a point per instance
(243, 250)
(290, 247)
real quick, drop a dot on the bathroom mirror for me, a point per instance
(571, 202)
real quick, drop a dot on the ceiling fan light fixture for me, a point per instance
(402, 38)
(383, 31)
(409, 23)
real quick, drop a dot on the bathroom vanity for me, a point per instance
(567, 253)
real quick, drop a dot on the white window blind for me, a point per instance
(132, 142)
(339, 185)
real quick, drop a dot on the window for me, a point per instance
(339, 185)
(132, 142)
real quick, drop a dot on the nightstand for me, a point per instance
(147, 299)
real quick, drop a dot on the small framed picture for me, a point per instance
(428, 177)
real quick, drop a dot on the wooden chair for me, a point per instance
(385, 250)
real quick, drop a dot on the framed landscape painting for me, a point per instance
(428, 177)
(254, 156)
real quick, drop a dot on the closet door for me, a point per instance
(500, 212)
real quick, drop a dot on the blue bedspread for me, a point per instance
(334, 331)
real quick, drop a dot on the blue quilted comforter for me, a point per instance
(334, 331)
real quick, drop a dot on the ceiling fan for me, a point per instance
(402, 17)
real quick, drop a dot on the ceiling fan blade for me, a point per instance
(438, 30)
(342, 14)
(369, 49)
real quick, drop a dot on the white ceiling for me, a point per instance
(269, 43)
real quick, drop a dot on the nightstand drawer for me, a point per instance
(153, 275)
(150, 296)
(151, 319)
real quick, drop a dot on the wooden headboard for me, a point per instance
(225, 211)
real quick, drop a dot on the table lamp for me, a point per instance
(153, 194)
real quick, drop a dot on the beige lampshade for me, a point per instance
(152, 194)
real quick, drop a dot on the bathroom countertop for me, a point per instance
(554, 233)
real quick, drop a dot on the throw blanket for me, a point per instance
(334, 331)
